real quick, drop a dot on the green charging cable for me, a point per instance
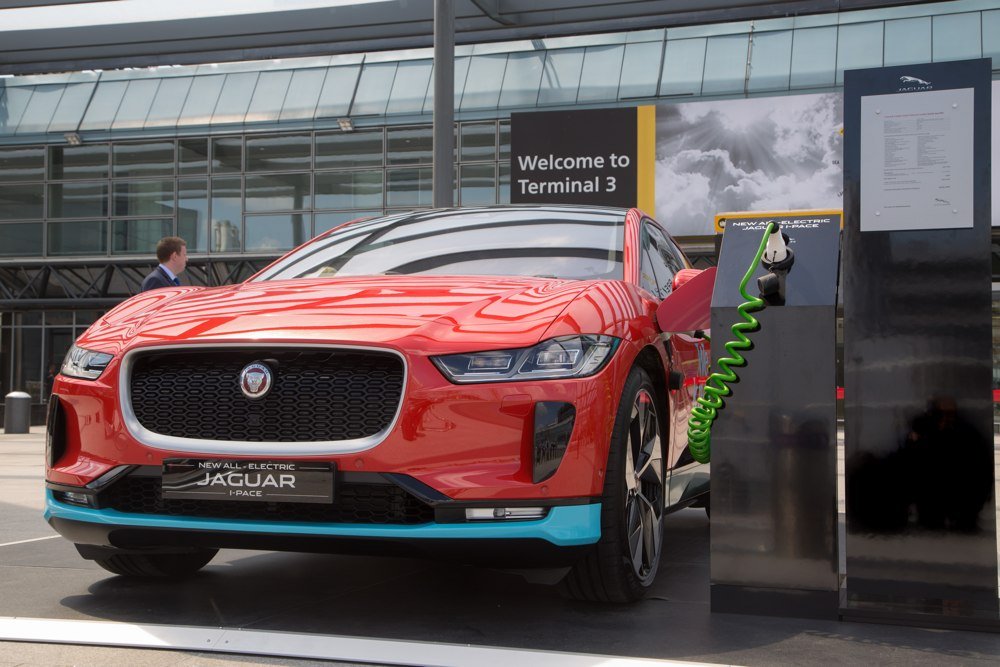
(716, 387)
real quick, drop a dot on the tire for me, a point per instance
(157, 565)
(622, 566)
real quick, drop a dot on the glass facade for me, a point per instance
(32, 347)
(242, 193)
(741, 58)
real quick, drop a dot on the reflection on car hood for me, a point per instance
(430, 312)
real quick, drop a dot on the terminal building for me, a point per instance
(248, 133)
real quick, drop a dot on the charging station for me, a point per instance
(773, 452)
(920, 509)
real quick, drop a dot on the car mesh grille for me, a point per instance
(317, 395)
(354, 503)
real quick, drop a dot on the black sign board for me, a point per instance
(921, 519)
(575, 157)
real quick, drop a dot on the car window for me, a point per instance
(558, 243)
(663, 258)
(647, 273)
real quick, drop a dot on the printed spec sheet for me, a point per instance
(917, 160)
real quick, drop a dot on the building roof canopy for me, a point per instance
(67, 36)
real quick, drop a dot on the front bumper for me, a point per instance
(563, 535)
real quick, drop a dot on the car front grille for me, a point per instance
(318, 395)
(364, 503)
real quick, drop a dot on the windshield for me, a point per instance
(556, 243)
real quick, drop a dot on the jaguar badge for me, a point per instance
(256, 380)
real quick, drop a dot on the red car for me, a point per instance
(487, 382)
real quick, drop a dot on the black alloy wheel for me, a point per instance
(623, 564)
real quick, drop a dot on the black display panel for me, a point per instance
(921, 520)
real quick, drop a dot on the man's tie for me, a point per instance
(177, 281)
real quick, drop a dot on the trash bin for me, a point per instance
(17, 412)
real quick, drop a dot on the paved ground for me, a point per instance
(23, 655)
(415, 600)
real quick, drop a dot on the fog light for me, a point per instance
(504, 513)
(73, 497)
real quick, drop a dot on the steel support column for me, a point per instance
(444, 103)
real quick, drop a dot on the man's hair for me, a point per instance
(167, 246)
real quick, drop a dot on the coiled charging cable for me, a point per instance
(716, 387)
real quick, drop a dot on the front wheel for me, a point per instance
(623, 565)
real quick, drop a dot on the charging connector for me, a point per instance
(776, 249)
(777, 260)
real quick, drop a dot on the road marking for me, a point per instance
(300, 645)
(34, 539)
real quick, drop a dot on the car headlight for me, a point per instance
(86, 364)
(565, 357)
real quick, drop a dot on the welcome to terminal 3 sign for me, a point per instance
(593, 156)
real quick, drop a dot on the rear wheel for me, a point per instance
(624, 563)
(159, 565)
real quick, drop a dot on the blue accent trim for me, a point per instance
(564, 526)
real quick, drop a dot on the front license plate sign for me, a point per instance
(269, 481)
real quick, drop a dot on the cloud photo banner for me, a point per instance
(758, 154)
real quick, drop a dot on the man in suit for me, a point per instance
(171, 251)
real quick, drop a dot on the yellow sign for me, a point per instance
(646, 159)
(720, 218)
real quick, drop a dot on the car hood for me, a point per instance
(429, 312)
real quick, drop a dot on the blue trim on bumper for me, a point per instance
(567, 526)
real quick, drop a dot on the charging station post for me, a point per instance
(774, 444)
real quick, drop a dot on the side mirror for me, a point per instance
(683, 276)
(689, 306)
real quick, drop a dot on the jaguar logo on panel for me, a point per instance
(913, 83)
(256, 380)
